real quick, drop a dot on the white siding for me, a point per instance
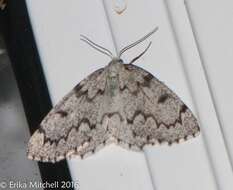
(200, 163)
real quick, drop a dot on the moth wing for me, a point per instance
(153, 113)
(71, 126)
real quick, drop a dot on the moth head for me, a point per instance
(114, 67)
(123, 50)
(116, 60)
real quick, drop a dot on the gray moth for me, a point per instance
(120, 103)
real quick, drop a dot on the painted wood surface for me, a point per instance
(200, 163)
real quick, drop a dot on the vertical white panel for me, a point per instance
(213, 28)
(57, 25)
(207, 115)
(180, 166)
(66, 60)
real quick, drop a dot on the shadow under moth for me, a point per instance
(120, 103)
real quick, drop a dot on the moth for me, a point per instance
(120, 103)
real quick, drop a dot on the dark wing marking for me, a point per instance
(153, 113)
(71, 127)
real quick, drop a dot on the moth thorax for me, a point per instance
(113, 79)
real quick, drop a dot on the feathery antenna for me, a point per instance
(123, 50)
(138, 41)
(96, 46)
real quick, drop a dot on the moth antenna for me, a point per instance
(96, 46)
(105, 49)
(138, 41)
(141, 54)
